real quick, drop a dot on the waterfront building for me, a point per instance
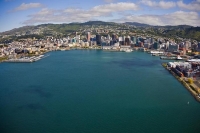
(123, 38)
(141, 39)
(127, 41)
(114, 37)
(98, 39)
(152, 40)
(167, 45)
(146, 45)
(103, 43)
(133, 38)
(198, 45)
(73, 40)
(88, 36)
(120, 39)
(122, 43)
(112, 42)
(187, 45)
(155, 45)
(108, 37)
(173, 48)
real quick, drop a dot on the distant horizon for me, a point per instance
(19, 13)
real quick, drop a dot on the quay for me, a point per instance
(188, 86)
(168, 58)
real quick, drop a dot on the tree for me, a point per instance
(190, 80)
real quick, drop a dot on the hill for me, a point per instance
(137, 24)
(182, 31)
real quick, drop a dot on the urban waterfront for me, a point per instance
(94, 91)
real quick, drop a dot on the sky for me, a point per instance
(18, 13)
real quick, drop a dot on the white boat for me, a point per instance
(194, 60)
(156, 52)
(179, 58)
(128, 50)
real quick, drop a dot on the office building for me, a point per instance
(98, 39)
(88, 36)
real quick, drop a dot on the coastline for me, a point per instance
(184, 83)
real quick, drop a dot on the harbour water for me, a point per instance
(94, 91)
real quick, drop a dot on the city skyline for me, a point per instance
(17, 13)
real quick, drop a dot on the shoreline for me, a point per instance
(184, 83)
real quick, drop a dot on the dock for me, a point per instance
(168, 57)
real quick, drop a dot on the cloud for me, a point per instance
(68, 15)
(160, 4)
(176, 18)
(121, 6)
(109, 1)
(25, 6)
(193, 6)
(79, 15)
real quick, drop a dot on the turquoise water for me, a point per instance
(89, 91)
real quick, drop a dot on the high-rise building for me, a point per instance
(88, 36)
(198, 45)
(187, 45)
(113, 37)
(98, 39)
(146, 45)
(133, 38)
(155, 45)
(111, 43)
(167, 45)
(108, 37)
(120, 39)
(127, 41)
(173, 48)
(152, 40)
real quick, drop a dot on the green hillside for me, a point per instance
(59, 30)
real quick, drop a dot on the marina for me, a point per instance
(168, 58)
(27, 59)
(171, 58)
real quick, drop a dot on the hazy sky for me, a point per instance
(17, 13)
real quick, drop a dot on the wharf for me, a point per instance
(188, 86)
(168, 57)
